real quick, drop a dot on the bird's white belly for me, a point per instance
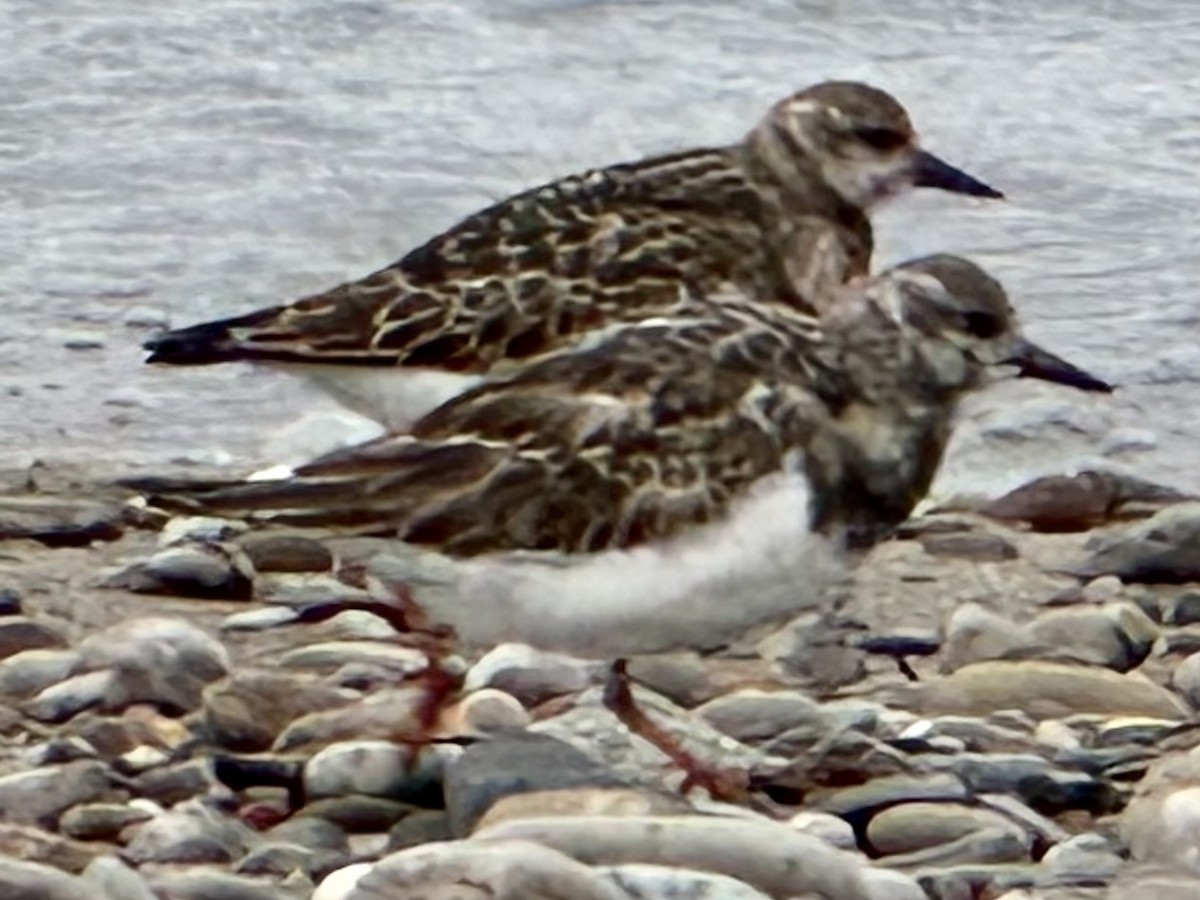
(393, 396)
(703, 589)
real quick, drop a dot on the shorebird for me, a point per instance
(673, 460)
(782, 216)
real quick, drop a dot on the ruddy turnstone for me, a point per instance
(780, 216)
(698, 442)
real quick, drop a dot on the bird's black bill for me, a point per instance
(1034, 362)
(929, 171)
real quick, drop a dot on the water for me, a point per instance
(183, 161)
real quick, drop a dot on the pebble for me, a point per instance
(766, 855)
(585, 801)
(202, 573)
(422, 826)
(788, 719)
(916, 826)
(100, 821)
(859, 803)
(332, 655)
(374, 768)
(10, 602)
(272, 552)
(1164, 549)
(111, 878)
(1083, 858)
(59, 523)
(359, 814)
(39, 846)
(191, 832)
(18, 633)
(247, 712)
(1118, 636)
(198, 884)
(481, 713)
(32, 881)
(339, 885)
(831, 829)
(1046, 690)
(64, 700)
(1186, 679)
(973, 546)
(1182, 609)
(515, 764)
(643, 882)
(531, 675)
(31, 671)
(974, 633)
(40, 796)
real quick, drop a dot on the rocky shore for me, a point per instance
(1000, 704)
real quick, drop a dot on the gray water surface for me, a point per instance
(167, 163)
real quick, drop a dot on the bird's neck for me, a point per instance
(789, 176)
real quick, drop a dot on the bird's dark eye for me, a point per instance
(881, 138)
(983, 325)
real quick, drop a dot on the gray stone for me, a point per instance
(203, 573)
(260, 619)
(374, 768)
(100, 821)
(112, 879)
(863, 800)
(332, 655)
(1182, 609)
(531, 675)
(189, 833)
(1045, 690)
(162, 661)
(19, 633)
(916, 826)
(375, 716)
(59, 523)
(756, 715)
(515, 764)
(420, 827)
(817, 648)
(10, 602)
(39, 797)
(1186, 679)
(359, 814)
(466, 870)
(642, 882)
(1083, 858)
(312, 832)
(171, 784)
(246, 712)
(278, 859)
(977, 547)
(1118, 636)
(975, 633)
(767, 855)
(36, 845)
(62, 701)
(1164, 549)
(273, 552)
(215, 885)
(32, 881)
(1080, 502)
(26, 673)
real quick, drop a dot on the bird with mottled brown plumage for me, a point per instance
(780, 216)
(653, 428)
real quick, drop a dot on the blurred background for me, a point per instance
(165, 164)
